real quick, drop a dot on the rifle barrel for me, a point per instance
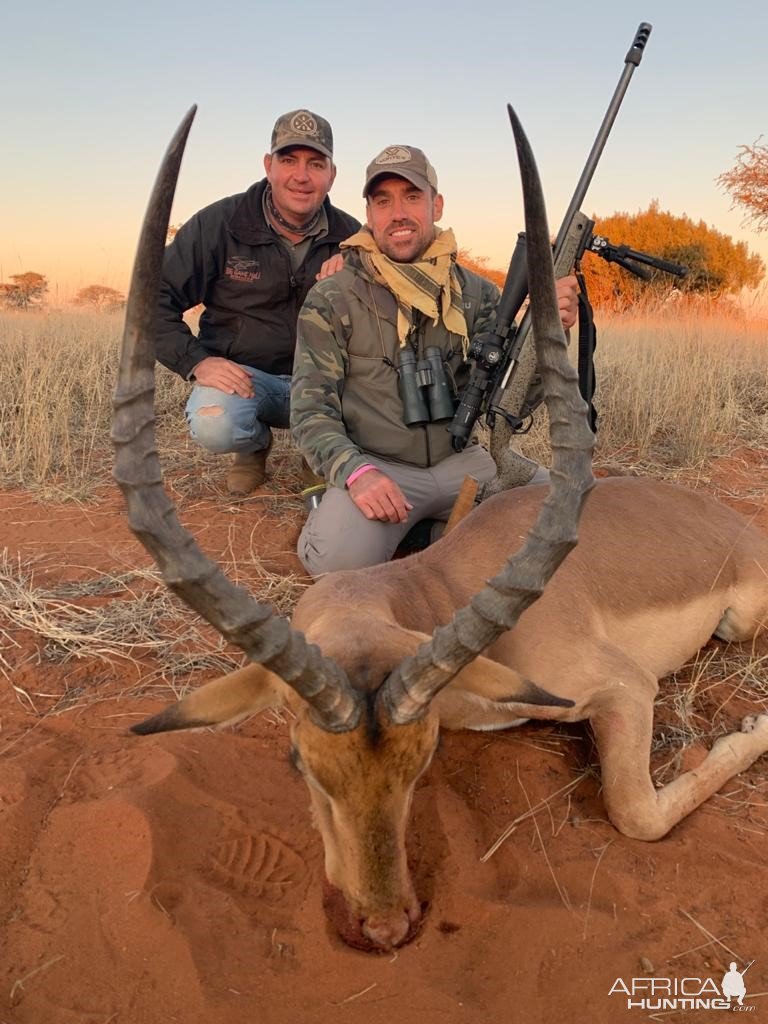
(630, 63)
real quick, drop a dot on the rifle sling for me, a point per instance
(587, 346)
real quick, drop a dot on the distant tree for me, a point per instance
(747, 183)
(28, 289)
(479, 264)
(717, 266)
(100, 297)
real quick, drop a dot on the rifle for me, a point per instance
(496, 353)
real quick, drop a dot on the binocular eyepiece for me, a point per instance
(425, 389)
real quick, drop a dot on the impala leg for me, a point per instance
(622, 721)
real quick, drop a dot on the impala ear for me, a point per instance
(503, 685)
(486, 695)
(488, 679)
(537, 696)
(223, 701)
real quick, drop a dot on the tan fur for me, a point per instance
(658, 570)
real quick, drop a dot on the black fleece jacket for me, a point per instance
(228, 258)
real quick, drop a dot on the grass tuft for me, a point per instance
(674, 391)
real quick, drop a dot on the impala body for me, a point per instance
(658, 570)
(374, 661)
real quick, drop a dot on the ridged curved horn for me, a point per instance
(412, 685)
(266, 637)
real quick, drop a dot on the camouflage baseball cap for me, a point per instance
(302, 128)
(404, 162)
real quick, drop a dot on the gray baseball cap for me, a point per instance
(302, 128)
(404, 162)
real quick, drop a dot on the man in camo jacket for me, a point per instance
(400, 293)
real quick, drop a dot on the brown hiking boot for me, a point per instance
(248, 471)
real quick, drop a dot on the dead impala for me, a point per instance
(376, 660)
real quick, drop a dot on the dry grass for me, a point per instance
(57, 374)
(675, 390)
(140, 620)
(706, 699)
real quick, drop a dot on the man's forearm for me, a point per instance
(325, 444)
(178, 349)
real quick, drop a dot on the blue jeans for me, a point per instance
(238, 424)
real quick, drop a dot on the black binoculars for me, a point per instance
(425, 389)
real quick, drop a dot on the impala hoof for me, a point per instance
(751, 723)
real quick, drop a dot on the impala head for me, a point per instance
(365, 728)
(361, 784)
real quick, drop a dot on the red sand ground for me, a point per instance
(177, 878)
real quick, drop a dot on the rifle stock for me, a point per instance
(574, 239)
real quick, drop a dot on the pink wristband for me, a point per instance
(358, 472)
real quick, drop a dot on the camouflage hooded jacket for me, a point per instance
(345, 402)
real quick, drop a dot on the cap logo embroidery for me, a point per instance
(393, 155)
(304, 123)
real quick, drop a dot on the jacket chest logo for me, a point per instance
(240, 269)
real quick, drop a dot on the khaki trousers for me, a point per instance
(337, 535)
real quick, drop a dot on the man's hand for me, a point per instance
(568, 299)
(223, 374)
(380, 498)
(331, 266)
